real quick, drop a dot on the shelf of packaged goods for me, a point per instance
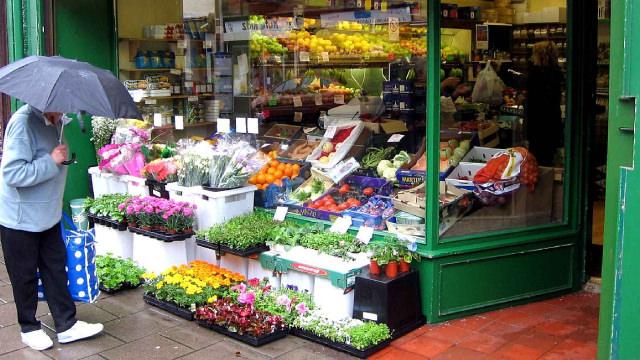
(186, 126)
(158, 40)
(173, 97)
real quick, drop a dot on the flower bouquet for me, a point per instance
(121, 159)
(233, 163)
(193, 162)
(102, 130)
(161, 170)
(180, 289)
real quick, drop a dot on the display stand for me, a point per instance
(395, 302)
(157, 256)
(113, 241)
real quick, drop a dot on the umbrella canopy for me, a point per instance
(56, 84)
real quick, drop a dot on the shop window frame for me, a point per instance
(575, 160)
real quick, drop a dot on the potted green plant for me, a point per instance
(374, 265)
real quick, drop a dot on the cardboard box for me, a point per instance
(386, 127)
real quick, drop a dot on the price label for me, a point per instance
(304, 56)
(175, 72)
(297, 101)
(241, 125)
(403, 105)
(365, 234)
(192, 99)
(157, 119)
(341, 225)
(394, 29)
(175, 90)
(179, 122)
(277, 58)
(325, 56)
(297, 116)
(182, 44)
(151, 101)
(338, 99)
(331, 132)
(224, 126)
(318, 99)
(188, 84)
(281, 213)
(395, 138)
(253, 126)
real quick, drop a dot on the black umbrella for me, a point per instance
(56, 84)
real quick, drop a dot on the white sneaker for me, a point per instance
(80, 330)
(37, 340)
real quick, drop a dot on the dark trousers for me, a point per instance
(27, 252)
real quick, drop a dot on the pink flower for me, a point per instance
(247, 298)
(121, 207)
(187, 212)
(302, 308)
(253, 282)
(283, 300)
(241, 288)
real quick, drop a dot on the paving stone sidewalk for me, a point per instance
(562, 328)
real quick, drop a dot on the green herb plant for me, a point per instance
(115, 273)
(243, 232)
(107, 206)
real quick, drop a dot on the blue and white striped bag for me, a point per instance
(81, 263)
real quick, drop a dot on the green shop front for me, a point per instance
(457, 81)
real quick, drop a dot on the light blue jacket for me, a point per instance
(31, 184)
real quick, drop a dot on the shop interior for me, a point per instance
(298, 68)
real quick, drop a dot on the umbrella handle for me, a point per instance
(70, 161)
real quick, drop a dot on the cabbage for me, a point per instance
(382, 165)
(401, 159)
(390, 174)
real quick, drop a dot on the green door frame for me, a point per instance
(619, 326)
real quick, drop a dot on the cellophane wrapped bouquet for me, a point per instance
(193, 160)
(124, 155)
(234, 161)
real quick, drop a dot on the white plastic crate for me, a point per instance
(235, 263)
(479, 154)
(156, 256)
(301, 280)
(255, 270)
(214, 207)
(118, 243)
(332, 300)
(99, 182)
(135, 186)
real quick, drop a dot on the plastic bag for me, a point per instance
(488, 87)
(233, 163)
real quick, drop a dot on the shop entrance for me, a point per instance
(599, 146)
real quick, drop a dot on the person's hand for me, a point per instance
(59, 154)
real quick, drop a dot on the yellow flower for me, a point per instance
(214, 298)
(149, 276)
(159, 285)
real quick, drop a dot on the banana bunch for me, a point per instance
(411, 74)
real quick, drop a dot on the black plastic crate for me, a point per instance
(223, 249)
(247, 339)
(362, 354)
(163, 236)
(157, 189)
(101, 220)
(119, 289)
(169, 307)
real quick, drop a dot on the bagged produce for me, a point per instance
(504, 173)
(488, 87)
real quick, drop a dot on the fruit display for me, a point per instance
(452, 54)
(417, 46)
(452, 152)
(329, 203)
(274, 172)
(330, 148)
(261, 45)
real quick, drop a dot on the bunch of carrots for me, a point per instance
(274, 172)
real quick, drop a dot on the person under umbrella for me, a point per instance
(33, 176)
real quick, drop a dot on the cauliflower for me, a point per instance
(382, 165)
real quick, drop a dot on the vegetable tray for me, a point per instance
(123, 287)
(247, 339)
(362, 354)
(169, 307)
(166, 237)
(101, 220)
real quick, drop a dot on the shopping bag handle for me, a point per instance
(67, 223)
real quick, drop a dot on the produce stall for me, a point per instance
(314, 144)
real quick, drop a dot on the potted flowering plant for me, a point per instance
(180, 289)
(179, 219)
